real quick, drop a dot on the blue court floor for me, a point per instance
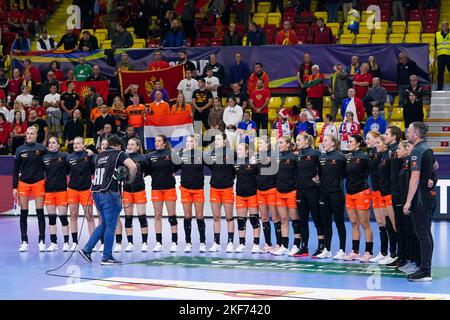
(207, 276)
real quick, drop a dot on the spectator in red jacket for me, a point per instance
(34, 71)
(314, 89)
(362, 81)
(257, 74)
(158, 63)
(287, 36)
(322, 34)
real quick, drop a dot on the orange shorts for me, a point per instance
(246, 202)
(287, 199)
(139, 197)
(267, 198)
(386, 200)
(37, 189)
(377, 203)
(358, 201)
(82, 197)
(56, 198)
(191, 195)
(164, 195)
(221, 195)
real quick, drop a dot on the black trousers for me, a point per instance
(332, 205)
(443, 62)
(421, 219)
(400, 227)
(203, 117)
(308, 201)
(318, 105)
(279, 3)
(189, 28)
(261, 120)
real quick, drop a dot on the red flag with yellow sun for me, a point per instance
(82, 88)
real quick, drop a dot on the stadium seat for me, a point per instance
(131, 30)
(414, 27)
(397, 114)
(415, 15)
(379, 38)
(326, 111)
(345, 29)
(264, 7)
(347, 39)
(334, 26)
(91, 31)
(396, 101)
(259, 20)
(244, 41)
(101, 34)
(364, 28)
(398, 27)
(412, 38)
(272, 115)
(396, 38)
(105, 44)
(139, 43)
(326, 101)
(399, 124)
(428, 38)
(321, 14)
(274, 103)
(289, 102)
(381, 28)
(362, 39)
(274, 18)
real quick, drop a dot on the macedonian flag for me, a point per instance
(82, 88)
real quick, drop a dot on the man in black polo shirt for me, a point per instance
(202, 100)
(421, 199)
(69, 102)
(41, 126)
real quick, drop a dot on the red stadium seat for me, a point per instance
(429, 28)
(385, 5)
(202, 42)
(415, 15)
(431, 15)
(207, 31)
(386, 15)
(302, 28)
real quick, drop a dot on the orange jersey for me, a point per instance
(176, 108)
(160, 109)
(136, 115)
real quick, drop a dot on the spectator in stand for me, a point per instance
(415, 87)
(118, 110)
(122, 39)
(338, 88)
(45, 42)
(398, 10)
(33, 70)
(441, 44)
(104, 118)
(240, 96)
(333, 10)
(18, 106)
(202, 100)
(96, 111)
(158, 63)
(30, 84)
(106, 132)
(36, 106)
(97, 75)
(282, 127)
(188, 20)
(215, 118)
(302, 76)
(52, 104)
(312, 114)
(20, 45)
(412, 110)
(304, 126)
(362, 80)
(136, 113)
(348, 128)
(232, 115)
(181, 107)
(70, 75)
(142, 18)
(257, 74)
(328, 128)
(90, 102)
(130, 92)
(159, 107)
(124, 64)
(69, 101)
(232, 37)
(188, 65)
(159, 87)
(322, 34)
(376, 122)
(5, 61)
(72, 129)
(18, 132)
(14, 84)
(69, 40)
(279, 4)
(376, 96)
(255, 36)
(4, 109)
(405, 69)
(55, 68)
(353, 104)
(259, 102)
(352, 69)
(176, 37)
(165, 21)
(5, 130)
(45, 88)
(41, 126)
(374, 67)
(83, 70)
(88, 42)
(217, 69)
(287, 36)
(25, 98)
(16, 19)
(187, 86)
(129, 133)
(246, 129)
(314, 89)
(212, 83)
(239, 71)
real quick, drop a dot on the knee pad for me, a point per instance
(201, 224)
(143, 221)
(64, 220)
(128, 222)
(173, 221)
(254, 221)
(230, 219)
(296, 226)
(187, 223)
(241, 221)
(52, 219)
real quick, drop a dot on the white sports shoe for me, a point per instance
(130, 247)
(215, 247)
(257, 249)
(387, 260)
(281, 251)
(230, 247)
(23, 247)
(74, 247)
(118, 247)
(158, 247)
(52, 247)
(94, 249)
(66, 247)
(188, 248)
(339, 255)
(102, 248)
(241, 248)
(267, 248)
(173, 247)
(293, 251)
(41, 246)
(144, 247)
(325, 254)
(202, 248)
(376, 259)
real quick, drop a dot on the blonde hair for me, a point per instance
(335, 140)
(308, 138)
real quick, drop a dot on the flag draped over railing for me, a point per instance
(176, 127)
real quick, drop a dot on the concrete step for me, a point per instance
(440, 100)
(440, 94)
(440, 107)
(439, 113)
(438, 127)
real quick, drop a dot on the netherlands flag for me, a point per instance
(176, 127)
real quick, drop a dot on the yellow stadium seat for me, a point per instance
(91, 31)
(325, 111)
(378, 38)
(345, 29)
(289, 102)
(272, 115)
(131, 29)
(398, 27)
(399, 124)
(101, 34)
(106, 44)
(275, 102)
(264, 7)
(396, 101)
(396, 38)
(326, 101)
(381, 27)
(428, 38)
(334, 26)
(274, 18)
(364, 28)
(244, 41)
(338, 123)
(259, 20)
(414, 26)
(397, 114)
(321, 14)
(224, 101)
(362, 39)
(139, 43)
(347, 39)
(412, 38)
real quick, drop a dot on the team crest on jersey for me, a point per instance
(357, 161)
(38, 153)
(166, 158)
(308, 158)
(333, 161)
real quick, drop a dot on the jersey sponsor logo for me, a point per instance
(414, 157)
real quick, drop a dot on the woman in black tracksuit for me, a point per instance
(308, 195)
(332, 199)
